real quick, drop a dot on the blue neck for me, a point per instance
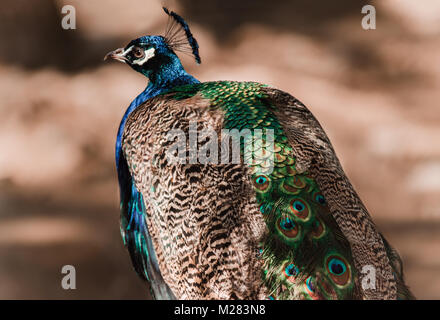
(167, 78)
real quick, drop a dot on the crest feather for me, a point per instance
(179, 37)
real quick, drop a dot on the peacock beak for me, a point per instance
(118, 54)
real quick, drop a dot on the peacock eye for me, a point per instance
(261, 183)
(137, 52)
(287, 224)
(290, 271)
(288, 227)
(310, 287)
(320, 199)
(299, 208)
(337, 267)
(338, 270)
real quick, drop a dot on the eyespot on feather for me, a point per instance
(288, 227)
(290, 271)
(319, 198)
(310, 288)
(338, 269)
(300, 208)
(261, 183)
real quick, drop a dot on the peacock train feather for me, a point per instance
(283, 222)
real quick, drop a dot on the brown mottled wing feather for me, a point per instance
(203, 220)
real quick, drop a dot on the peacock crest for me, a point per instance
(178, 36)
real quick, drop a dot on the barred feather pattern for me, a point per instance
(230, 231)
(202, 233)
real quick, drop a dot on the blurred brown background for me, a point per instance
(375, 92)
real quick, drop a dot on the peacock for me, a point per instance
(278, 219)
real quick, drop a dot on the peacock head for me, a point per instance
(155, 55)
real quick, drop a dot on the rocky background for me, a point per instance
(375, 92)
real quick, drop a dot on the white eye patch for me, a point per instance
(147, 56)
(127, 51)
